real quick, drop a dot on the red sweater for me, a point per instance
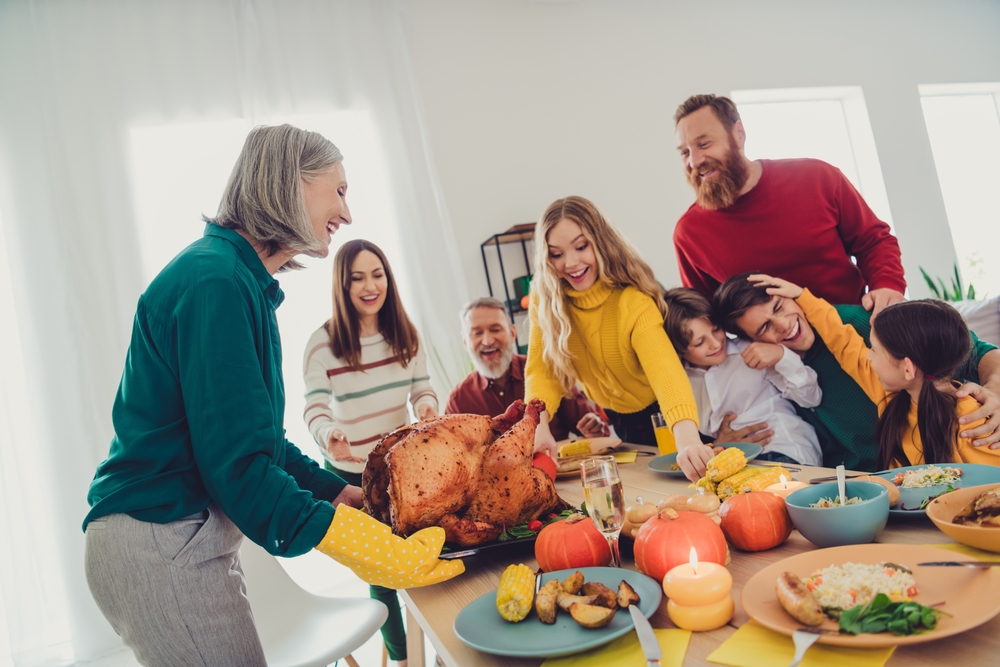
(802, 222)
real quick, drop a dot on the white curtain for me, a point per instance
(75, 77)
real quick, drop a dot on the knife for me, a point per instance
(979, 564)
(647, 638)
(832, 478)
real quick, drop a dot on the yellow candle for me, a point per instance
(698, 595)
(704, 617)
(693, 584)
(784, 487)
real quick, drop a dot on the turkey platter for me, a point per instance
(469, 474)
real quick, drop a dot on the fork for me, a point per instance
(804, 638)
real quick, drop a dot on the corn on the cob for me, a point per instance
(764, 479)
(515, 593)
(704, 483)
(574, 448)
(726, 464)
(732, 485)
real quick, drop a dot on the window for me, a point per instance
(963, 124)
(830, 124)
(180, 172)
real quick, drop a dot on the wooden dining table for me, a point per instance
(431, 611)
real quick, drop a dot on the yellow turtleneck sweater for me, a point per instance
(624, 363)
(851, 352)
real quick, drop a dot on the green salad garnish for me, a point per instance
(881, 615)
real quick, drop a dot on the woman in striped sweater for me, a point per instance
(360, 369)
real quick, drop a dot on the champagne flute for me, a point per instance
(602, 490)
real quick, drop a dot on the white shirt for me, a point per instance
(760, 396)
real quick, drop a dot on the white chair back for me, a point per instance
(298, 628)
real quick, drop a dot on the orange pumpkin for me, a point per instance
(571, 543)
(545, 462)
(755, 521)
(665, 541)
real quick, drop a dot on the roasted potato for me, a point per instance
(626, 595)
(605, 596)
(591, 616)
(545, 601)
(572, 583)
(797, 599)
(565, 600)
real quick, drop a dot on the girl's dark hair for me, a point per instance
(936, 339)
(345, 325)
(683, 305)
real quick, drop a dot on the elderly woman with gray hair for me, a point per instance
(199, 457)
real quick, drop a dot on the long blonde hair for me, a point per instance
(619, 265)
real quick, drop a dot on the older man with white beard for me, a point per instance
(498, 380)
(800, 219)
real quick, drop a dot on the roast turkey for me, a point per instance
(469, 474)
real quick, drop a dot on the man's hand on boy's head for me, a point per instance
(757, 433)
(877, 299)
(987, 433)
(762, 355)
(776, 286)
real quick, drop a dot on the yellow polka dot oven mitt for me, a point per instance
(369, 548)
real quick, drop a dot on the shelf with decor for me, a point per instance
(509, 253)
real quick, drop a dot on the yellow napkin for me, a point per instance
(978, 554)
(625, 457)
(626, 651)
(753, 645)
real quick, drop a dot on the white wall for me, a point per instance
(530, 100)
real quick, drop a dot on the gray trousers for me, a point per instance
(174, 592)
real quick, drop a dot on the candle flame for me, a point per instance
(784, 480)
(694, 560)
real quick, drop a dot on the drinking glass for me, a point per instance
(664, 436)
(602, 490)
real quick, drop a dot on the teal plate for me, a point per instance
(479, 625)
(973, 474)
(665, 463)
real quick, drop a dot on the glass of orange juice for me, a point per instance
(664, 436)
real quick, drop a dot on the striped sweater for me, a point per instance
(364, 405)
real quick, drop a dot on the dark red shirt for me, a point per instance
(478, 395)
(802, 222)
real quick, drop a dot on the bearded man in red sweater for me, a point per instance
(800, 218)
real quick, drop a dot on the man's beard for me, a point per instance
(501, 366)
(723, 190)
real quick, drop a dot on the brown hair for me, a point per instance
(734, 297)
(683, 305)
(724, 108)
(619, 265)
(935, 338)
(345, 325)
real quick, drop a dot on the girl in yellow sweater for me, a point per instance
(916, 347)
(597, 319)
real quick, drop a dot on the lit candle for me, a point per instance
(785, 486)
(698, 595)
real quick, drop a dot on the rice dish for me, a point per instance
(840, 587)
(931, 475)
(835, 502)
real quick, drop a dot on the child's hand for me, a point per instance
(776, 286)
(426, 411)
(762, 355)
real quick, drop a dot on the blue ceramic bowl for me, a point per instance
(837, 526)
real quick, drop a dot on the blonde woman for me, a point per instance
(597, 319)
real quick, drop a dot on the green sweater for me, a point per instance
(845, 420)
(198, 415)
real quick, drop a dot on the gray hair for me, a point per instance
(483, 302)
(264, 194)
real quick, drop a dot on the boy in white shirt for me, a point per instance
(753, 380)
